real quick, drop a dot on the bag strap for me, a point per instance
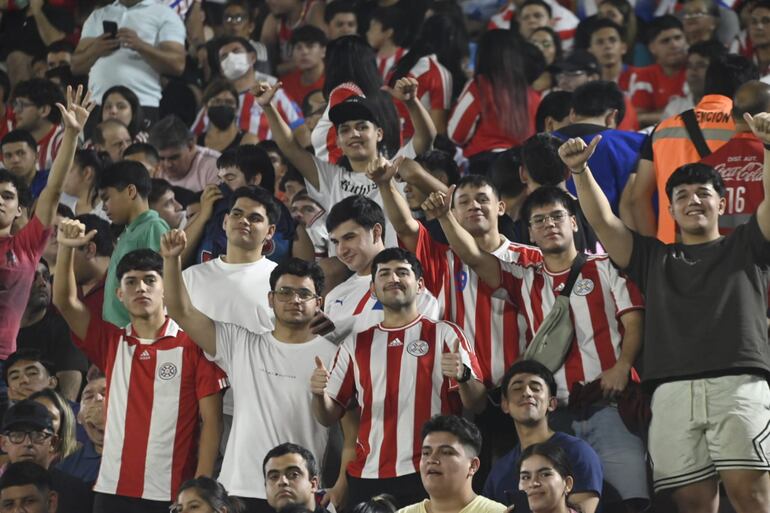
(695, 133)
(577, 264)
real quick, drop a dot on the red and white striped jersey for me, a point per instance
(251, 118)
(324, 135)
(153, 389)
(394, 374)
(386, 64)
(564, 22)
(469, 127)
(48, 147)
(741, 45)
(352, 307)
(6, 122)
(600, 296)
(496, 329)
(434, 89)
(285, 31)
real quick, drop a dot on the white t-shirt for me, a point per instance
(271, 379)
(72, 202)
(337, 183)
(154, 23)
(234, 293)
(353, 308)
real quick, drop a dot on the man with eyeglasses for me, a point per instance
(606, 312)
(28, 435)
(268, 366)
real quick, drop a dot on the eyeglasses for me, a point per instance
(36, 437)
(235, 19)
(540, 220)
(19, 105)
(763, 21)
(285, 294)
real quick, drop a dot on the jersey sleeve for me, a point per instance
(341, 387)
(33, 238)
(209, 379)
(328, 176)
(288, 110)
(172, 29)
(511, 275)
(432, 255)
(624, 291)
(465, 116)
(101, 339)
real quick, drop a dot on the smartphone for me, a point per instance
(110, 27)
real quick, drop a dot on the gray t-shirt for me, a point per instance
(706, 305)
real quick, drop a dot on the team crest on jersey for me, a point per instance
(167, 371)
(418, 348)
(583, 287)
(461, 280)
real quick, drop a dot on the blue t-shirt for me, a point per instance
(83, 463)
(503, 482)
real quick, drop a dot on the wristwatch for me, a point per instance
(466, 374)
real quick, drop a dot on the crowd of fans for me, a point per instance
(368, 256)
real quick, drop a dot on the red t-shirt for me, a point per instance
(740, 162)
(292, 84)
(650, 88)
(19, 255)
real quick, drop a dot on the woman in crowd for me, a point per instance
(81, 182)
(120, 102)
(546, 478)
(221, 102)
(435, 60)
(499, 86)
(205, 495)
(549, 44)
(63, 421)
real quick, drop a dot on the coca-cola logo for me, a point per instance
(749, 172)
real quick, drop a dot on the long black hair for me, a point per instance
(351, 59)
(137, 116)
(440, 35)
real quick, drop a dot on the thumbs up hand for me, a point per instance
(319, 379)
(452, 363)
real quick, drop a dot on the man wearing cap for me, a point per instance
(575, 70)
(28, 435)
(359, 134)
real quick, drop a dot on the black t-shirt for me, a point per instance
(705, 305)
(51, 336)
(74, 495)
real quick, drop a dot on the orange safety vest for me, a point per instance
(672, 148)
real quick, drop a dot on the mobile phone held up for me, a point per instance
(111, 28)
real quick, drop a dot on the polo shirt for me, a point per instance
(143, 232)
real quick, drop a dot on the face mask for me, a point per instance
(235, 65)
(221, 116)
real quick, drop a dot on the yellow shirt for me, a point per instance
(478, 505)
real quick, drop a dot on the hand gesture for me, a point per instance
(437, 205)
(75, 115)
(575, 153)
(319, 379)
(264, 92)
(405, 89)
(172, 243)
(452, 363)
(336, 495)
(72, 234)
(615, 379)
(760, 125)
(104, 45)
(211, 194)
(382, 170)
(320, 324)
(130, 39)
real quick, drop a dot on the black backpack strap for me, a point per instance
(577, 264)
(695, 133)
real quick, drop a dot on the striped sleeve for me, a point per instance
(288, 110)
(465, 116)
(341, 387)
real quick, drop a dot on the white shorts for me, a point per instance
(700, 427)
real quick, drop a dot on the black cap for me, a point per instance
(352, 109)
(27, 414)
(579, 60)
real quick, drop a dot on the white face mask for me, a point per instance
(235, 65)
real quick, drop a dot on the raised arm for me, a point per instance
(74, 118)
(283, 136)
(641, 193)
(760, 125)
(199, 327)
(72, 234)
(396, 208)
(613, 234)
(486, 265)
(405, 90)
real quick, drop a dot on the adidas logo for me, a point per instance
(145, 355)
(395, 343)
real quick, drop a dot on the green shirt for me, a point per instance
(143, 232)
